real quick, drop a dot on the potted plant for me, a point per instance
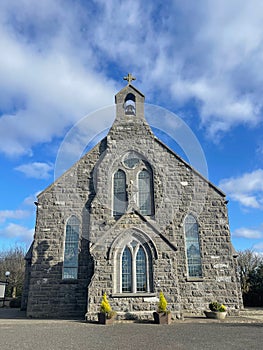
(106, 315)
(217, 311)
(162, 316)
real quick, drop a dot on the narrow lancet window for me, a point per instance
(70, 266)
(145, 192)
(141, 272)
(126, 270)
(119, 193)
(193, 247)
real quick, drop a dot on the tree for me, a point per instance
(248, 262)
(250, 266)
(256, 279)
(13, 260)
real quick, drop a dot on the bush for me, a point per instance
(162, 306)
(215, 306)
(105, 307)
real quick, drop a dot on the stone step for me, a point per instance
(251, 311)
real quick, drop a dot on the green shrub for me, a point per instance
(162, 306)
(105, 307)
(215, 306)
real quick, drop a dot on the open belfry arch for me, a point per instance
(126, 226)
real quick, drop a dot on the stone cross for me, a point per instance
(129, 78)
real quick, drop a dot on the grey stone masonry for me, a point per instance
(87, 191)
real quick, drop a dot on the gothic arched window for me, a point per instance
(192, 247)
(126, 270)
(70, 265)
(141, 270)
(136, 269)
(119, 193)
(145, 195)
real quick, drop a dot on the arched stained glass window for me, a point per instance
(70, 266)
(136, 269)
(119, 193)
(141, 271)
(145, 192)
(193, 247)
(126, 270)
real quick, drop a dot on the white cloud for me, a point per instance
(43, 90)
(18, 232)
(248, 233)
(36, 170)
(13, 214)
(57, 61)
(29, 201)
(246, 189)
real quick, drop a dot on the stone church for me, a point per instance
(130, 218)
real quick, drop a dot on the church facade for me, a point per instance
(130, 218)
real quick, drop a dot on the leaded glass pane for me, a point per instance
(131, 160)
(141, 271)
(70, 272)
(119, 193)
(145, 193)
(193, 247)
(126, 270)
(70, 269)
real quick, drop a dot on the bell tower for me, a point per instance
(129, 101)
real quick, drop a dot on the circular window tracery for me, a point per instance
(131, 160)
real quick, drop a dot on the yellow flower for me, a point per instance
(162, 303)
(105, 305)
(222, 308)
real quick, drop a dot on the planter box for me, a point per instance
(162, 317)
(102, 319)
(215, 315)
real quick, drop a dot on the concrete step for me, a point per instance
(251, 311)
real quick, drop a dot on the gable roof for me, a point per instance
(129, 87)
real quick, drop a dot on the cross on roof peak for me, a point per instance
(129, 78)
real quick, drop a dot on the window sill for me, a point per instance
(133, 295)
(195, 279)
(69, 281)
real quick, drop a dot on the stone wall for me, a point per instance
(173, 201)
(49, 295)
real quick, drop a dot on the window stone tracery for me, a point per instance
(133, 185)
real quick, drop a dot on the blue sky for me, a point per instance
(63, 60)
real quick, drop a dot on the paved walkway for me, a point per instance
(8, 313)
(247, 315)
(193, 333)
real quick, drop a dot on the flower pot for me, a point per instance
(162, 317)
(216, 315)
(103, 319)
